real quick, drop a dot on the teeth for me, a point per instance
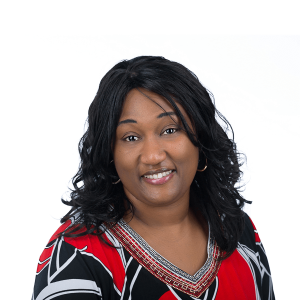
(159, 175)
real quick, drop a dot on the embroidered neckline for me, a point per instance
(167, 264)
(164, 270)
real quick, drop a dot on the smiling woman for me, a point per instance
(155, 212)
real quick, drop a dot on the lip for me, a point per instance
(162, 180)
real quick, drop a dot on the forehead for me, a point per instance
(143, 102)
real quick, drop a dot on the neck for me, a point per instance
(175, 215)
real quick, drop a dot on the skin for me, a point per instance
(162, 214)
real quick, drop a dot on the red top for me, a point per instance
(87, 268)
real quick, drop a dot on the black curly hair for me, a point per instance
(95, 199)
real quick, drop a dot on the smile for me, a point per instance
(158, 175)
(159, 178)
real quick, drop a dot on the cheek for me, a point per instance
(186, 154)
(125, 161)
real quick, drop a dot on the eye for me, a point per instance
(130, 138)
(171, 130)
(133, 138)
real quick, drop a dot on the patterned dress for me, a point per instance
(85, 268)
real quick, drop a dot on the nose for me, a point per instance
(153, 151)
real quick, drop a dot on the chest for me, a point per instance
(186, 264)
(142, 283)
(188, 253)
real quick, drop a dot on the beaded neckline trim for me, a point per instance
(163, 269)
(164, 262)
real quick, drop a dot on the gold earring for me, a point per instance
(204, 167)
(119, 178)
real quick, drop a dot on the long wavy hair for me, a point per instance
(215, 192)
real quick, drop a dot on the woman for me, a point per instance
(155, 211)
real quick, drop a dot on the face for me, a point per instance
(149, 142)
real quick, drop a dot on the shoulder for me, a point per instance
(247, 268)
(87, 240)
(89, 244)
(85, 263)
(251, 249)
(249, 236)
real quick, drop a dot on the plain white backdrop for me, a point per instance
(53, 56)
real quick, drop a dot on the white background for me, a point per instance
(53, 55)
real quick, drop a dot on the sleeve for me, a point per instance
(253, 250)
(64, 274)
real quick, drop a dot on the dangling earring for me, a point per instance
(204, 167)
(119, 178)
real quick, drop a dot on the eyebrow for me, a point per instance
(169, 113)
